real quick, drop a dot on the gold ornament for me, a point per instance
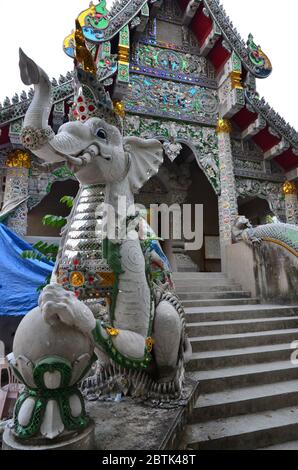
(77, 279)
(236, 80)
(289, 188)
(107, 279)
(224, 126)
(123, 54)
(119, 108)
(113, 332)
(83, 55)
(18, 159)
(149, 344)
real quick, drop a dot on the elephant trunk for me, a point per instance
(39, 110)
(36, 134)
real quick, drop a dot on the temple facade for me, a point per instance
(182, 74)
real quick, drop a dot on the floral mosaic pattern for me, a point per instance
(228, 207)
(170, 11)
(202, 140)
(167, 99)
(17, 188)
(270, 191)
(167, 63)
(291, 208)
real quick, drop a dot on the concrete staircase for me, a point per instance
(242, 359)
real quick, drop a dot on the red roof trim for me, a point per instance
(287, 160)
(4, 137)
(244, 118)
(265, 140)
(219, 56)
(201, 25)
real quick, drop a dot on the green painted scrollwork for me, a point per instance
(51, 365)
(42, 397)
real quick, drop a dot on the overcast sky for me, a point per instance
(39, 27)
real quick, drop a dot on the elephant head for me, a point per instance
(94, 150)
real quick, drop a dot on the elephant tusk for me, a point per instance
(94, 150)
(74, 160)
(91, 153)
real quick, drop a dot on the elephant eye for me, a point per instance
(101, 133)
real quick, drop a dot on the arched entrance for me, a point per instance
(51, 205)
(201, 192)
(181, 182)
(256, 209)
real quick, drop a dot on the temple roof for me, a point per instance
(207, 19)
(218, 37)
(218, 40)
(122, 13)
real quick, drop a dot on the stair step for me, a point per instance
(290, 445)
(259, 338)
(219, 302)
(197, 275)
(241, 326)
(214, 295)
(250, 431)
(242, 360)
(245, 375)
(192, 285)
(207, 287)
(245, 400)
(241, 312)
(203, 361)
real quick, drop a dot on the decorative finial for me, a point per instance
(119, 108)
(18, 159)
(83, 55)
(289, 188)
(224, 126)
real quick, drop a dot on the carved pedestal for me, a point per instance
(50, 359)
(82, 441)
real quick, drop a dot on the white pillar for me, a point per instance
(291, 201)
(228, 205)
(16, 188)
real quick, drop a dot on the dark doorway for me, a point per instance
(51, 205)
(257, 210)
(201, 192)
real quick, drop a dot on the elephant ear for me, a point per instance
(146, 156)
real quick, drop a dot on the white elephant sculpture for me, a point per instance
(135, 319)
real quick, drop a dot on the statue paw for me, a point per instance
(60, 306)
(256, 241)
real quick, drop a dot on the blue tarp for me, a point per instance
(19, 278)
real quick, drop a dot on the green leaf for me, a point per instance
(46, 249)
(63, 172)
(34, 255)
(47, 281)
(42, 252)
(68, 201)
(54, 221)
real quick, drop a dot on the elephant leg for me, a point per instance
(167, 338)
(130, 344)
